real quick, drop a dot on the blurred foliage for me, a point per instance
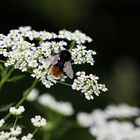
(4, 108)
(64, 11)
(125, 81)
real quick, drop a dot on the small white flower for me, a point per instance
(84, 119)
(15, 131)
(13, 138)
(37, 121)
(24, 29)
(64, 108)
(88, 95)
(33, 95)
(28, 137)
(4, 135)
(2, 122)
(17, 111)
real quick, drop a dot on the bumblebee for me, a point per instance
(60, 64)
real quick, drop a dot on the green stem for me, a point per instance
(35, 131)
(66, 84)
(25, 95)
(1, 84)
(73, 43)
(5, 76)
(9, 73)
(15, 122)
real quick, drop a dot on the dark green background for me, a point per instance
(114, 26)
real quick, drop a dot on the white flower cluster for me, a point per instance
(88, 84)
(15, 132)
(64, 108)
(17, 111)
(12, 134)
(28, 137)
(27, 50)
(81, 56)
(114, 126)
(122, 111)
(37, 121)
(77, 36)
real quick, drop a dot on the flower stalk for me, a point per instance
(23, 98)
(72, 45)
(6, 74)
(15, 122)
(35, 131)
(62, 83)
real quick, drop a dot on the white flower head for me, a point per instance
(88, 84)
(15, 131)
(37, 121)
(17, 111)
(81, 56)
(122, 111)
(77, 36)
(33, 95)
(28, 137)
(84, 119)
(64, 108)
(2, 122)
(4, 135)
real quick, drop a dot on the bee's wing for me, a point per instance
(53, 59)
(68, 69)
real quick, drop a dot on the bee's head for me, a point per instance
(65, 55)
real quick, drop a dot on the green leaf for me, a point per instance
(15, 78)
(4, 108)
